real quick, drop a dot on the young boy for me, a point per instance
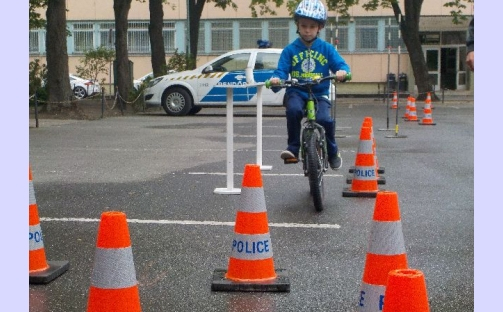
(306, 57)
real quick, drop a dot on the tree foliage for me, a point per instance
(95, 62)
(36, 21)
(37, 77)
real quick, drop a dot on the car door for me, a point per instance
(227, 70)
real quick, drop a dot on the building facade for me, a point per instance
(369, 41)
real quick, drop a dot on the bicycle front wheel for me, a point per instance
(314, 166)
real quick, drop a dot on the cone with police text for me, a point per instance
(367, 122)
(41, 271)
(251, 264)
(386, 251)
(394, 102)
(406, 291)
(364, 182)
(114, 286)
(427, 116)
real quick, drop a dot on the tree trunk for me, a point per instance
(156, 39)
(58, 81)
(123, 75)
(410, 34)
(195, 11)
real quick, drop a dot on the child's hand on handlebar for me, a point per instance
(341, 75)
(274, 81)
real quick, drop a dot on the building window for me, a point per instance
(107, 35)
(221, 37)
(392, 39)
(366, 35)
(34, 41)
(279, 33)
(82, 37)
(453, 37)
(249, 32)
(201, 38)
(138, 38)
(337, 36)
(168, 34)
(430, 38)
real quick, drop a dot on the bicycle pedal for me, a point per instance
(291, 161)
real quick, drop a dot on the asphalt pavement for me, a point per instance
(162, 172)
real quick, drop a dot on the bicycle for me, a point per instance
(313, 149)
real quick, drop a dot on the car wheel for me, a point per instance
(79, 92)
(176, 101)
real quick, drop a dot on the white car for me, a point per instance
(138, 82)
(83, 87)
(186, 92)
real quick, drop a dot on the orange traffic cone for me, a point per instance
(113, 281)
(412, 110)
(407, 108)
(406, 291)
(428, 99)
(394, 102)
(386, 251)
(364, 182)
(367, 122)
(427, 118)
(251, 264)
(41, 270)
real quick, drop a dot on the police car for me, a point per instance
(184, 93)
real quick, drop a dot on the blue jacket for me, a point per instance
(301, 62)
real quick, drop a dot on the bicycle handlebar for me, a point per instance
(310, 82)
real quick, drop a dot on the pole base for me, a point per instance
(56, 268)
(227, 191)
(280, 284)
(348, 193)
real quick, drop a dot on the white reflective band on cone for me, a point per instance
(371, 298)
(252, 199)
(36, 241)
(32, 194)
(113, 268)
(390, 238)
(366, 147)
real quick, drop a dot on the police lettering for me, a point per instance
(250, 247)
(365, 173)
(362, 299)
(36, 236)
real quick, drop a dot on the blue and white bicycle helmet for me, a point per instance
(312, 9)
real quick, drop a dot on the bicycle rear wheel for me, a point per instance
(315, 169)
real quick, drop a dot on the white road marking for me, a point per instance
(193, 222)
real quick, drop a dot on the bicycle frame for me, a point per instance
(313, 149)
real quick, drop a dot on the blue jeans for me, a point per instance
(295, 107)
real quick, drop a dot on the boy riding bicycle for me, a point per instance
(309, 56)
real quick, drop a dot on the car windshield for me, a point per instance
(232, 63)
